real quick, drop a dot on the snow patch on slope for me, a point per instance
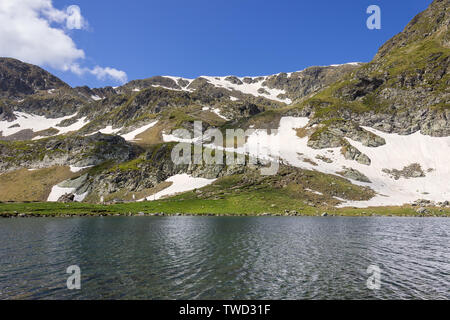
(57, 192)
(248, 88)
(349, 63)
(181, 183)
(131, 136)
(78, 169)
(164, 87)
(109, 130)
(80, 123)
(432, 153)
(176, 79)
(216, 111)
(38, 123)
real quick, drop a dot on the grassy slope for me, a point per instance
(231, 206)
(223, 198)
(21, 185)
(174, 119)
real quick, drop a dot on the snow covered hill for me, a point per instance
(378, 133)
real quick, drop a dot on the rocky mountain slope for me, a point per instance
(405, 88)
(18, 79)
(361, 134)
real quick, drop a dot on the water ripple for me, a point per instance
(225, 258)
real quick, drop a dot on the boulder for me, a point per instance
(66, 198)
(422, 210)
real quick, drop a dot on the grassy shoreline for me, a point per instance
(185, 208)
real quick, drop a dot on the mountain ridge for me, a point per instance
(370, 127)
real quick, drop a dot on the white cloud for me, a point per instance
(104, 73)
(71, 16)
(34, 31)
(100, 72)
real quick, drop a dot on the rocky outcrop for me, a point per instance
(351, 153)
(428, 203)
(79, 151)
(331, 134)
(6, 113)
(435, 19)
(414, 170)
(96, 93)
(66, 198)
(354, 175)
(233, 80)
(151, 169)
(18, 79)
(324, 159)
(408, 111)
(153, 81)
(241, 109)
(58, 104)
(298, 85)
(323, 138)
(404, 89)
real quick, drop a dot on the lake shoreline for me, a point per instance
(172, 208)
(237, 215)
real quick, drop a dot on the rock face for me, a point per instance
(422, 210)
(66, 198)
(153, 81)
(437, 18)
(18, 79)
(57, 104)
(331, 134)
(427, 203)
(79, 151)
(354, 174)
(303, 83)
(351, 153)
(6, 112)
(414, 170)
(152, 168)
(30, 89)
(405, 88)
(296, 85)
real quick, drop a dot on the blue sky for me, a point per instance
(239, 37)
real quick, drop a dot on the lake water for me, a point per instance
(225, 257)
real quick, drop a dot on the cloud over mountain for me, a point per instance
(36, 32)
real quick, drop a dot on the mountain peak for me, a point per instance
(431, 23)
(18, 78)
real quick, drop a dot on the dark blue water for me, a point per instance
(225, 257)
